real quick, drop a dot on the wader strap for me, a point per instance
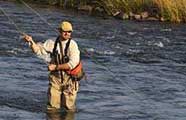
(55, 44)
(59, 60)
(67, 46)
(61, 47)
(61, 52)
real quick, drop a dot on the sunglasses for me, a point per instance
(67, 31)
(64, 31)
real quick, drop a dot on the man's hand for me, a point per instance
(52, 67)
(27, 38)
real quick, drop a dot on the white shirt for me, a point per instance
(43, 51)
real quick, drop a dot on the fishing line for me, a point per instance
(111, 73)
(42, 18)
(114, 75)
(17, 28)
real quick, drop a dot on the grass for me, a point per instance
(169, 10)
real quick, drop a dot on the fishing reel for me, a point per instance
(65, 59)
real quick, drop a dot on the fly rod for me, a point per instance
(16, 26)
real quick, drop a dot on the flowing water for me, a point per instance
(135, 70)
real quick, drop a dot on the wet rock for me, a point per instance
(131, 15)
(137, 17)
(116, 13)
(161, 19)
(144, 15)
(121, 15)
(98, 11)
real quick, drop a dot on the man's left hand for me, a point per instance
(52, 67)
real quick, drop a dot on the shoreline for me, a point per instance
(138, 11)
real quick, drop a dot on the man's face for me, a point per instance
(65, 34)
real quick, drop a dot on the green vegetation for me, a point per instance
(163, 10)
(172, 10)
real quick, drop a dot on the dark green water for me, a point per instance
(135, 70)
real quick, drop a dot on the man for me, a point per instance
(62, 90)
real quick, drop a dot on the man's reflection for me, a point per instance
(60, 116)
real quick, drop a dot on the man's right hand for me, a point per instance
(27, 38)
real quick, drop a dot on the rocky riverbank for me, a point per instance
(140, 10)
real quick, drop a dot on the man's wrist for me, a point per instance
(30, 43)
(56, 68)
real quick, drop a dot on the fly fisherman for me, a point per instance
(62, 89)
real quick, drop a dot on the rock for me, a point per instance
(144, 15)
(99, 11)
(125, 16)
(131, 15)
(137, 17)
(116, 13)
(161, 19)
(152, 19)
(85, 8)
(121, 15)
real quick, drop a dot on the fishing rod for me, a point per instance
(42, 18)
(16, 26)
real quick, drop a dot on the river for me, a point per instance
(135, 70)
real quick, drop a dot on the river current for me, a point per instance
(135, 70)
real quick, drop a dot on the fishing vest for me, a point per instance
(76, 73)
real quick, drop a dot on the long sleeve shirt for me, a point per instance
(43, 51)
